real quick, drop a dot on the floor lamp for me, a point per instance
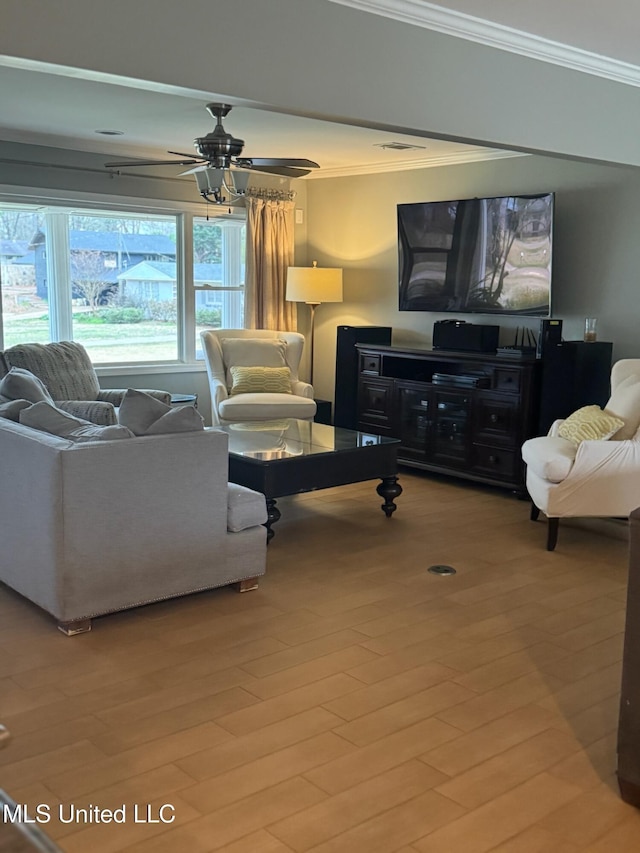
(314, 285)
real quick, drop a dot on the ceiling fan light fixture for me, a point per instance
(221, 186)
(219, 168)
(210, 184)
(240, 181)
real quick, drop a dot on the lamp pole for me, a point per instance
(313, 306)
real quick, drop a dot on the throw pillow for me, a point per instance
(245, 352)
(10, 409)
(46, 418)
(625, 403)
(145, 415)
(589, 423)
(21, 384)
(259, 380)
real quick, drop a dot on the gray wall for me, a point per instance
(352, 224)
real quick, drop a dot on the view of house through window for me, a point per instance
(111, 282)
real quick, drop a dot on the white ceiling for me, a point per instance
(66, 111)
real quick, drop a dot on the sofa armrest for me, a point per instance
(96, 411)
(115, 395)
(302, 389)
(219, 393)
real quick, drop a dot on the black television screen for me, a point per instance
(480, 255)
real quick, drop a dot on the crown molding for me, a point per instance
(456, 159)
(460, 25)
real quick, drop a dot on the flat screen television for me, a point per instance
(478, 255)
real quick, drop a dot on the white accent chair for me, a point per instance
(221, 351)
(595, 478)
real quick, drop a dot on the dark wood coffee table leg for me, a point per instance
(389, 489)
(273, 515)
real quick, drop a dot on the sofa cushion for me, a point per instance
(260, 380)
(245, 508)
(247, 352)
(180, 419)
(46, 418)
(260, 407)
(589, 423)
(625, 403)
(10, 409)
(145, 415)
(22, 384)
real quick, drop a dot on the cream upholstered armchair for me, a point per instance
(69, 376)
(225, 349)
(598, 478)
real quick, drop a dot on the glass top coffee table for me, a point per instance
(288, 456)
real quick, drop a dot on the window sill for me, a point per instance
(150, 369)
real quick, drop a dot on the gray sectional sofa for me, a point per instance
(99, 526)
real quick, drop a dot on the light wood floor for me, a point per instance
(354, 702)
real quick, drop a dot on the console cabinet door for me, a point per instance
(413, 424)
(375, 404)
(451, 428)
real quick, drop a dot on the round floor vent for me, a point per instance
(441, 570)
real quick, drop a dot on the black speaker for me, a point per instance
(345, 412)
(550, 335)
(465, 337)
(574, 374)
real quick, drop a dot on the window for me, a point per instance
(218, 275)
(127, 313)
(25, 309)
(111, 281)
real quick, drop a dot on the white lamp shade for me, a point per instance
(209, 179)
(314, 284)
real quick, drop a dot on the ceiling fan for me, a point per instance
(221, 150)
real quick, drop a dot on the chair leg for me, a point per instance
(552, 533)
(535, 512)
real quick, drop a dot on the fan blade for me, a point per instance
(188, 156)
(285, 171)
(200, 168)
(128, 163)
(295, 163)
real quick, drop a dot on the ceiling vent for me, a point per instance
(399, 146)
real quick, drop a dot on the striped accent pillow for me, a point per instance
(260, 380)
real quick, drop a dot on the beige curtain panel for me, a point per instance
(270, 249)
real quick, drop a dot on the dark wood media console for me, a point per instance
(457, 413)
(474, 428)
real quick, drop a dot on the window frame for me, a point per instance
(184, 213)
